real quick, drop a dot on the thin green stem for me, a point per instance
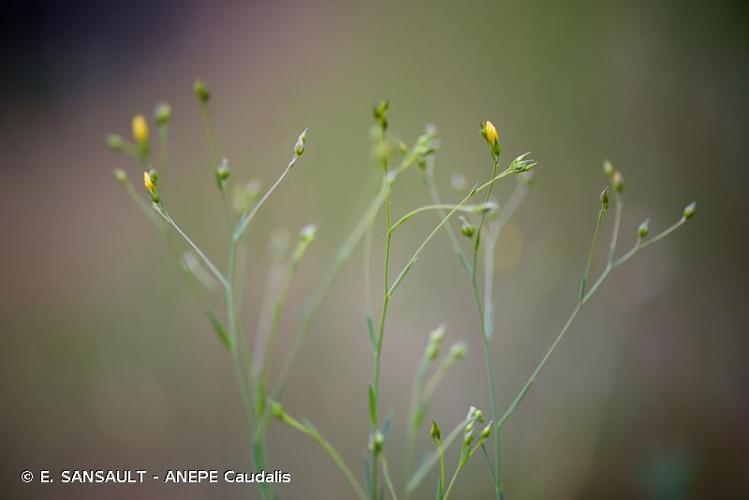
(386, 476)
(329, 449)
(209, 264)
(246, 217)
(432, 459)
(581, 302)
(439, 207)
(591, 251)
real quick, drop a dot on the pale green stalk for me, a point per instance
(329, 449)
(386, 476)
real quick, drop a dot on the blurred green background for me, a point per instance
(108, 361)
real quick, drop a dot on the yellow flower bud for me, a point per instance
(149, 183)
(140, 129)
(489, 132)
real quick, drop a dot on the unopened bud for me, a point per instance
(223, 171)
(435, 342)
(308, 233)
(115, 142)
(120, 175)
(486, 432)
(457, 351)
(617, 181)
(150, 181)
(140, 129)
(605, 199)
(299, 146)
(379, 112)
(201, 91)
(489, 132)
(162, 114)
(276, 409)
(608, 169)
(436, 432)
(690, 210)
(479, 416)
(644, 229)
(377, 441)
(467, 228)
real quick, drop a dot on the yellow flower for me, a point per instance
(149, 183)
(140, 129)
(489, 131)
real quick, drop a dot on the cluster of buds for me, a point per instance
(615, 177)
(490, 134)
(435, 343)
(151, 182)
(426, 144)
(522, 164)
(475, 416)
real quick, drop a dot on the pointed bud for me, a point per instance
(690, 210)
(486, 432)
(605, 199)
(300, 142)
(379, 112)
(489, 132)
(150, 181)
(436, 432)
(478, 415)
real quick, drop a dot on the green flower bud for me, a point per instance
(223, 171)
(115, 142)
(644, 229)
(162, 114)
(690, 210)
(486, 432)
(308, 233)
(457, 351)
(617, 181)
(608, 169)
(276, 409)
(377, 441)
(435, 432)
(300, 142)
(201, 91)
(467, 228)
(120, 175)
(605, 199)
(478, 415)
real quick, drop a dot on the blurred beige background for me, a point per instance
(107, 360)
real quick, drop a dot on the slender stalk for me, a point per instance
(209, 264)
(581, 302)
(432, 459)
(439, 207)
(386, 476)
(246, 217)
(329, 449)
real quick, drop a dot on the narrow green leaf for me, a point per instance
(261, 399)
(370, 330)
(220, 331)
(372, 406)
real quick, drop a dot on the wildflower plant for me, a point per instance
(480, 220)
